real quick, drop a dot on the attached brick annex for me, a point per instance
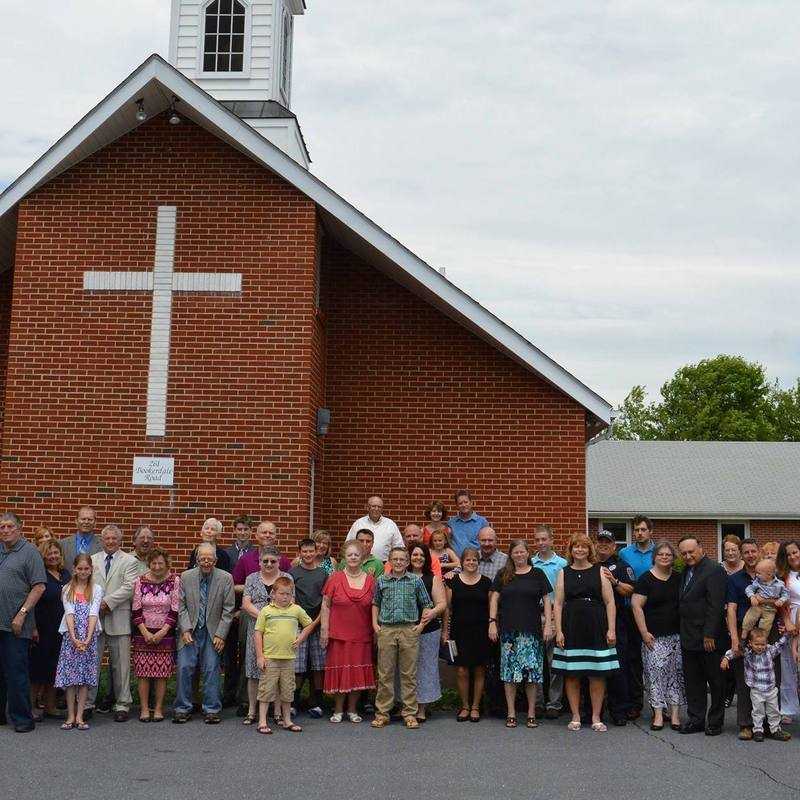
(420, 405)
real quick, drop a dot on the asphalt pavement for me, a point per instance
(442, 759)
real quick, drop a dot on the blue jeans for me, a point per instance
(15, 687)
(200, 653)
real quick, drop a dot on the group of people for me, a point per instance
(249, 625)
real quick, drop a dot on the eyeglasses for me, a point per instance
(269, 560)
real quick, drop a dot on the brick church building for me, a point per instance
(194, 325)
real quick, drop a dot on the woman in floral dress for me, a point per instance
(77, 662)
(154, 614)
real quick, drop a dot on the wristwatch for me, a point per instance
(491, 619)
(23, 610)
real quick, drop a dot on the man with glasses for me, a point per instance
(639, 557)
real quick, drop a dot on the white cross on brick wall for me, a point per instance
(162, 282)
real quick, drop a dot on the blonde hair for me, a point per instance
(72, 586)
(50, 544)
(443, 533)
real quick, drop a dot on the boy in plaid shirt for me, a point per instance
(759, 675)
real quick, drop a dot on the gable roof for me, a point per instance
(156, 82)
(694, 480)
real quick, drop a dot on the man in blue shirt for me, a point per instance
(551, 564)
(466, 525)
(639, 557)
(83, 540)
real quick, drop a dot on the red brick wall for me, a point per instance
(707, 534)
(421, 407)
(239, 403)
(6, 283)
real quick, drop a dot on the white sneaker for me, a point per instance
(353, 717)
(337, 717)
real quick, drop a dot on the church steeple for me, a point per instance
(240, 52)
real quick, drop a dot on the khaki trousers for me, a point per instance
(119, 662)
(398, 649)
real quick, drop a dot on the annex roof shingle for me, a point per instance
(747, 480)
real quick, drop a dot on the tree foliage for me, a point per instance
(718, 399)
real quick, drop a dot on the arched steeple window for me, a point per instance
(224, 39)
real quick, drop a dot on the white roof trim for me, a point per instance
(241, 135)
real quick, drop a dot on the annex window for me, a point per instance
(286, 54)
(740, 528)
(620, 528)
(224, 38)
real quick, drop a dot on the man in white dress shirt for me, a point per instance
(386, 533)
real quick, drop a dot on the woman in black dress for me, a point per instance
(585, 617)
(468, 601)
(47, 640)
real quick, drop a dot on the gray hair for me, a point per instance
(10, 516)
(215, 523)
(206, 546)
(665, 544)
(112, 528)
(269, 550)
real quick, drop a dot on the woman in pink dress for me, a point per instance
(346, 632)
(156, 598)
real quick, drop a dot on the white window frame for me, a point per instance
(721, 522)
(617, 521)
(201, 45)
(285, 61)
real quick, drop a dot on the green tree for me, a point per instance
(725, 398)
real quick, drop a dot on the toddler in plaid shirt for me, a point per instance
(759, 675)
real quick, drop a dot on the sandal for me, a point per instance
(337, 717)
(249, 719)
(264, 729)
(475, 715)
(144, 718)
(158, 719)
(511, 722)
(574, 725)
(599, 727)
(531, 723)
(82, 726)
(354, 718)
(465, 712)
(67, 726)
(292, 728)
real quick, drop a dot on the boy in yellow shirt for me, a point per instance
(276, 638)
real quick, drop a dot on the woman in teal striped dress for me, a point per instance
(585, 629)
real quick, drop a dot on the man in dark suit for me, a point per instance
(702, 598)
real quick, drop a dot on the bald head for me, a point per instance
(412, 534)
(487, 541)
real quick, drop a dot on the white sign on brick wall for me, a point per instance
(153, 471)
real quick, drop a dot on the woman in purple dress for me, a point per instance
(154, 613)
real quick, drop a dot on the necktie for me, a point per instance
(109, 559)
(201, 614)
(688, 580)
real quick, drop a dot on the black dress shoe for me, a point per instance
(619, 722)
(24, 728)
(713, 731)
(691, 727)
(121, 716)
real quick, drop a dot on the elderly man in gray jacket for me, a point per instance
(206, 611)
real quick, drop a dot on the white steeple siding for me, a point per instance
(241, 50)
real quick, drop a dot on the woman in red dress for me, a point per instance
(347, 633)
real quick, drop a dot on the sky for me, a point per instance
(618, 181)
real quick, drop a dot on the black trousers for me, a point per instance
(617, 684)
(232, 664)
(634, 668)
(702, 676)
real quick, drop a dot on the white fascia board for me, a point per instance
(48, 165)
(241, 136)
(683, 514)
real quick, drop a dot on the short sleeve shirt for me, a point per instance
(661, 609)
(280, 627)
(308, 586)
(520, 602)
(21, 568)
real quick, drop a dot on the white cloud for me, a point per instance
(617, 180)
